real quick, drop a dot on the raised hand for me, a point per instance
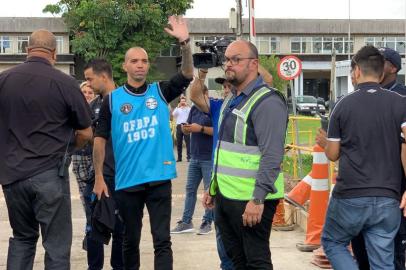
(177, 28)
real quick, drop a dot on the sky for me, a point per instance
(323, 9)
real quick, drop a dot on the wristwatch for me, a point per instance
(202, 129)
(257, 201)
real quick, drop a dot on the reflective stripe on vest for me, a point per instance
(237, 163)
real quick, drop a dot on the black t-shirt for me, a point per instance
(170, 90)
(367, 123)
(200, 143)
(108, 164)
(39, 108)
(396, 87)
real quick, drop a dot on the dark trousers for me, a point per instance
(360, 252)
(95, 249)
(248, 247)
(158, 200)
(179, 142)
(42, 201)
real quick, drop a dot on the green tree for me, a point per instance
(107, 28)
(270, 63)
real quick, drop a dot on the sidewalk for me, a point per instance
(190, 251)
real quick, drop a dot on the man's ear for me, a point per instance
(357, 73)
(124, 67)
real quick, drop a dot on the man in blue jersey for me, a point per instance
(136, 116)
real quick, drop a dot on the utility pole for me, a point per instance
(239, 20)
(252, 21)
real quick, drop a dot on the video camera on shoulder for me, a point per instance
(212, 54)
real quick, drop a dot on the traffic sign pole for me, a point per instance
(290, 68)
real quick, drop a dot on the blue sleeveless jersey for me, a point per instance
(142, 141)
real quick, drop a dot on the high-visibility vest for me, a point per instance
(235, 163)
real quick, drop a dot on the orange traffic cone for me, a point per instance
(279, 223)
(301, 192)
(318, 200)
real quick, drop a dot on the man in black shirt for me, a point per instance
(364, 134)
(99, 75)
(41, 111)
(155, 194)
(393, 64)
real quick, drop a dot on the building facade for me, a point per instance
(14, 34)
(312, 40)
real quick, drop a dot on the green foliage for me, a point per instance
(107, 28)
(307, 161)
(270, 63)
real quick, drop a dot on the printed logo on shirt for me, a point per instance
(371, 91)
(151, 103)
(126, 108)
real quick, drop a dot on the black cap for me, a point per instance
(393, 57)
(220, 80)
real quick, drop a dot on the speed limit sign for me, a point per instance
(289, 67)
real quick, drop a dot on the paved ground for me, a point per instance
(191, 251)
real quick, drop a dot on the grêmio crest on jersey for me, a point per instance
(126, 108)
(151, 103)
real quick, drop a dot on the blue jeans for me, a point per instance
(377, 218)
(198, 170)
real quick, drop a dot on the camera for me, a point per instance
(212, 54)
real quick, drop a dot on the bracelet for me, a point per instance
(202, 71)
(186, 41)
(202, 129)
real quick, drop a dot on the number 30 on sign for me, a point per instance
(289, 67)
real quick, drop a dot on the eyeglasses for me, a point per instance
(235, 60)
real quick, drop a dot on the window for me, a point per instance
(268, 45)
(22, 43)
(327, 45)
(396, 43)
(5, 45)
(317, 44)
(338, 45)
(321, 45)
(295, 46)
(59, 44)
(173, 50)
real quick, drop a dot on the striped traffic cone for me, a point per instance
(319, 196)
(301, 192)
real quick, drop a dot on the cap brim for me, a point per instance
(219, 80)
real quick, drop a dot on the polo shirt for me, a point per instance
(367, 123)
(200, 143)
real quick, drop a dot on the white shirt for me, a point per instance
(181, 114)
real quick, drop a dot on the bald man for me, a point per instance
(137, 117)
(42, 110)
(246, 182)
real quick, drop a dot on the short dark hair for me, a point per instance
(100, 66)
(370, 61)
